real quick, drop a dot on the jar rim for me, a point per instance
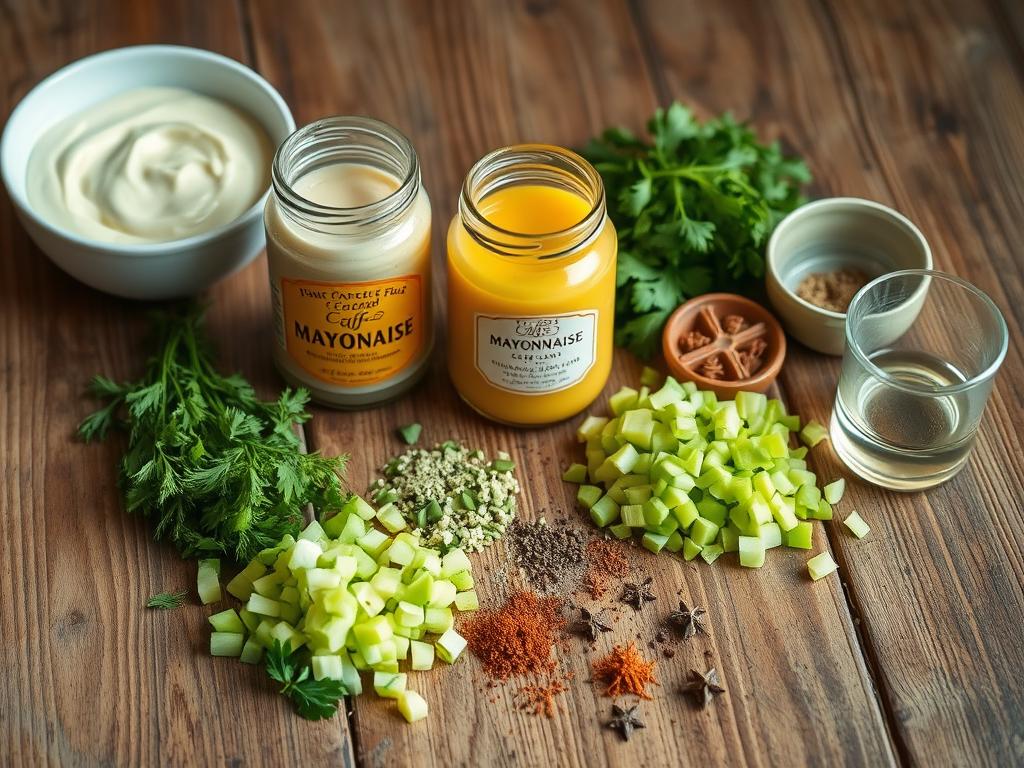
(530, 162)
(350, 133)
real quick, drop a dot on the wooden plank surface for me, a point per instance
(89, 676)
(915, 104)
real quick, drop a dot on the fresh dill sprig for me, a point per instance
(218, 470)
(167, 601)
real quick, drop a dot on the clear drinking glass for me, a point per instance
(922, 350)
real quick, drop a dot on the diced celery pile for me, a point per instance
(697, 476)
(354, 599)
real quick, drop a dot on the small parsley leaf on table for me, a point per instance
(313, 699)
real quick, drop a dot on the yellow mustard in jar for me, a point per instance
(531, 286)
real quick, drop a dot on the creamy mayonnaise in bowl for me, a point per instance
(143, 171)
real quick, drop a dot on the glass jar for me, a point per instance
(531, 286)
(348, 250)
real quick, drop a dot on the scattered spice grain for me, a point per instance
(625, 671)
(605, 561)
(538, 699)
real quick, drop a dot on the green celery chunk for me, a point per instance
(821, 566)
(675, 542)
(798, 537)
(703, 532)
(730, 538)
(590, 428)
(389, 686)
(252, 652)
(621, 531)
(654, 542)
(449, 646)
(770, 535)
(856, 525)
(655, 512)
(576, 473)
(650, 377)
(833, 492)
(208, 582)
(690, 548)
(226, 644)
(711, 552)
(605, 512)
(632, 515)
(823, 512)
(421, 655)
(412, 706)
(467, 601)
(751, 551)
(813, 433)
(588, 495)
(227, 621)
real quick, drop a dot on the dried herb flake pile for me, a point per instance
(451, 495)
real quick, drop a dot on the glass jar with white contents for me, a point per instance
(348, 250)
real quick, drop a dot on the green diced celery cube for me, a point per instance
(823, 512)
(437, 619)
(750, 405)
(467, 601)
(685, 513)
(711, 552)
(621, 531)
(226, 644)
(450, 646)
(654, 542)
(208, 582)
(588, 495)
(654, 512)
(422, 655)
(604, 512)
(690, 548)
(357, 505)
(711, 510)
(821, 566)
(576, 473)
(227, 621)
(784, 515)
(623, 400)
(442, 593)
(751, 551)
(798, 537)
(327, 667)
(813, 433)
(675, 542)
(264, 606)
(252, 652)
(241, 585)
(387, 685)
(730, 538)
(625, 458)
(590, 428)
(638, 494)
(412, 706)
(703, 531)
(632, 515)
(856, 525)
(834, 491)
(770, 535)
(391, 518)
(650, 377)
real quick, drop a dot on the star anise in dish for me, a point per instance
(638, 594)
(591, 625)
(704, 687)
(625, 721)
(713, 368)
(691, 622)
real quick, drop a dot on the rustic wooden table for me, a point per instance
(914, 656)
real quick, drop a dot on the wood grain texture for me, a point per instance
(917, 105)
(89, 676)
(475, 76)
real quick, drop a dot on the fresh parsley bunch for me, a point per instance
(216, 468)
(694, 208)
(313, 699)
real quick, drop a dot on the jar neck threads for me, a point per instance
(532, 164)
(354, 140)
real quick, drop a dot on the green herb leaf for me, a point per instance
(217, 469)
(166, 601)
(694, 208)
(313, 699)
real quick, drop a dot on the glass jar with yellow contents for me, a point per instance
(531, 286)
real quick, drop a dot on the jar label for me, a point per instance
(536, 354)
(353, 334)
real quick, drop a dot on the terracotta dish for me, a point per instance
(724, 343)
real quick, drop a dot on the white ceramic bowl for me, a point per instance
(146, 270)
(832, 234)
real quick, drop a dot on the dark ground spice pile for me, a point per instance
(605, 562)
(551, 556)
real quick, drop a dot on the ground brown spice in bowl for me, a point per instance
(832, 290)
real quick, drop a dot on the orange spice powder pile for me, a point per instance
(625, 671)
(516, 639)
(605, 561)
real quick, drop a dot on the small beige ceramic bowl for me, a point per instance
(832, 234)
